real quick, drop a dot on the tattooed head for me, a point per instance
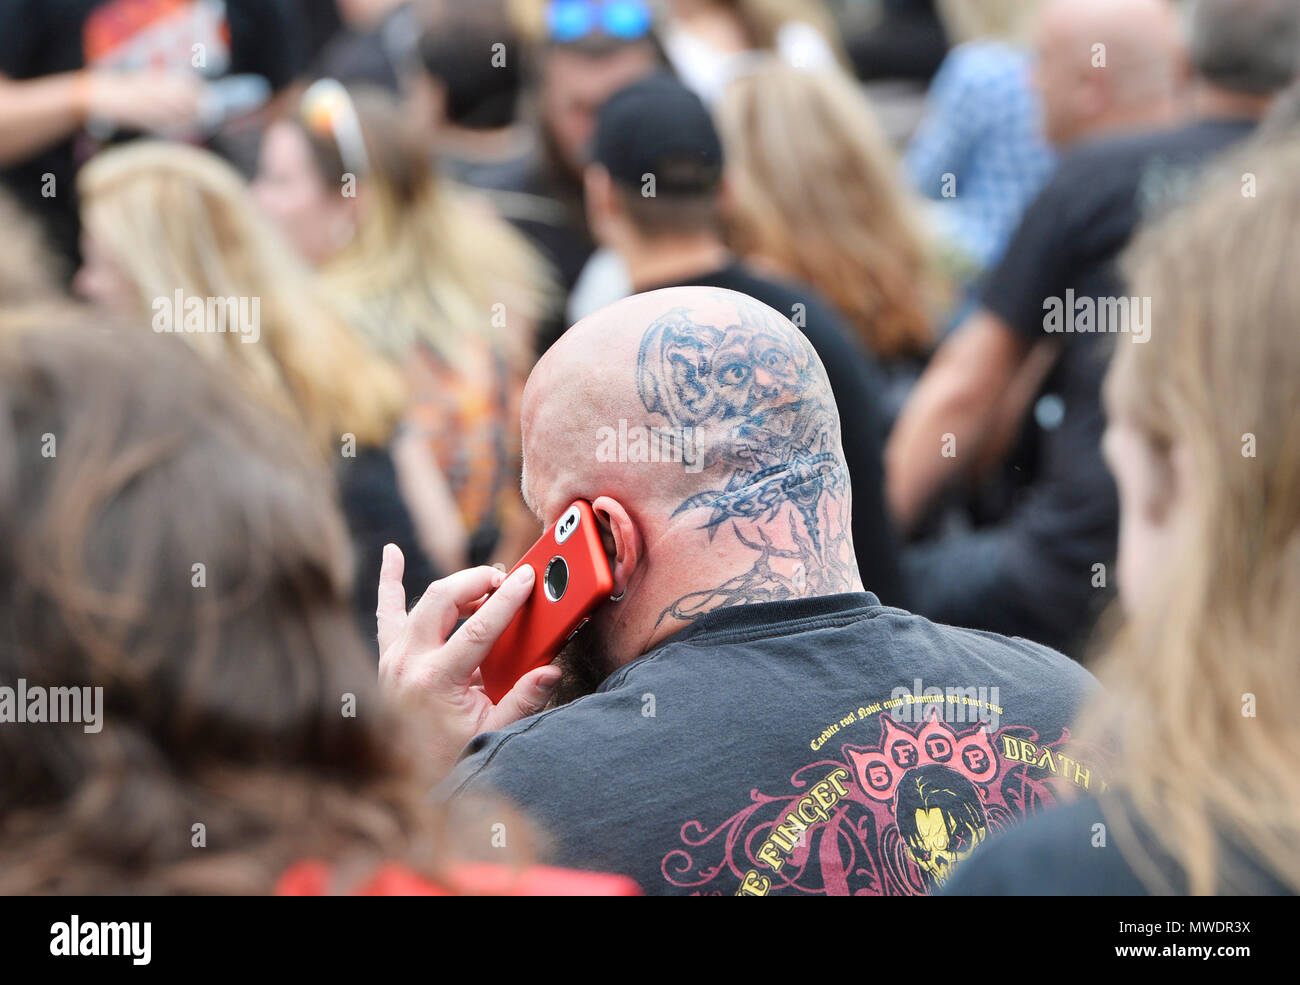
(754, 387)
(706, 418)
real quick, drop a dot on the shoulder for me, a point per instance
(565, 738)
(781, 292)
(1096, 169)
(1064, 850)
(1116, 163)
(811, 311)
(1010, 655)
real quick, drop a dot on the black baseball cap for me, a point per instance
(657, 126)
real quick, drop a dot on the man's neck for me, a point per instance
(668, 597)
(1212, 103)
(671, 259)
(1120, 122)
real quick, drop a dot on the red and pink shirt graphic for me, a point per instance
(888, 809)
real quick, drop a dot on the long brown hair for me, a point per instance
(163, 538)
(815, 191)
(1202, 680)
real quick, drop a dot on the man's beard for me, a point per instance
(584, 664)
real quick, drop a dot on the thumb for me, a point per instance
(529, 696)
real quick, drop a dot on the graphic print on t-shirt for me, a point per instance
(158, 34)
(901, 804)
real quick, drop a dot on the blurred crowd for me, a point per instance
(295, 290)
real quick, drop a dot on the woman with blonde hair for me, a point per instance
(1202, 680)
(440, 287)
(170, 234)
(814, 195)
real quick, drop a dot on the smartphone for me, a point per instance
(573, 578)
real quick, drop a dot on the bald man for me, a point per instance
(1028, 361)
(740, 717)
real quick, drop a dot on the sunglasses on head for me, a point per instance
(572, 20)
(327, 111)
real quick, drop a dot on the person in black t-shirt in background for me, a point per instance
(653, 193)
(1201, 682)
(1054, 304)
(741, 717)
(75, 73)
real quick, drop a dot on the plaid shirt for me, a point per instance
(983, 128)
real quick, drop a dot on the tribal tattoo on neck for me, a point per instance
(756, 393)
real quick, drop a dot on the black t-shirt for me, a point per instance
(818, 746)
(49, 37)
(858, 387)
(1066, 249)
(376, 514)
(1071, 235)
(1074, 850)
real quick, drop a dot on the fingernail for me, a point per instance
(549, 684)
(524, 576)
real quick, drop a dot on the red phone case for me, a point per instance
(544, 624)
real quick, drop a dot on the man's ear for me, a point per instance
(622, 541)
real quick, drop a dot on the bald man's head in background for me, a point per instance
(701, 426)
(1104, 65)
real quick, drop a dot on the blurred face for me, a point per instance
(318, 219)
(603, 217)
(575, 86)
(101, 280)
(1149, 502)
(1059, 85)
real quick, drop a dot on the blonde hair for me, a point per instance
(1003, 20)
(765, 18)
(1218, 634)
(815, 189)
(429, 264)
(178, 218)
(29, 272)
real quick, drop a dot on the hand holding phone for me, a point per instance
(573, 578)
(432, 672)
